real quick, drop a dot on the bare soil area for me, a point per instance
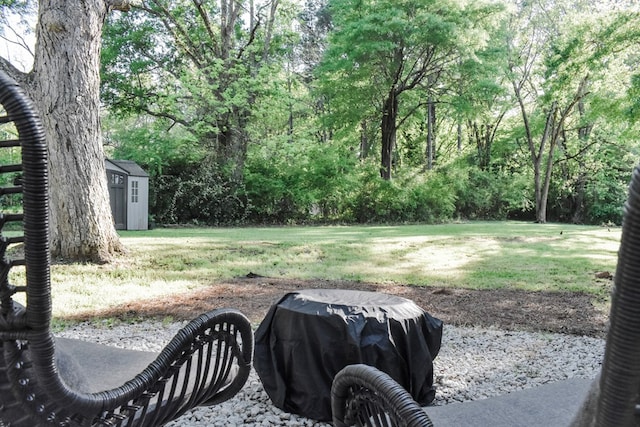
(561, 312)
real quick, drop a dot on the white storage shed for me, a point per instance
(128, 194)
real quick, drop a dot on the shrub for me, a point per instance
(203, 195)
(491, 195)
(275, 192)
(410, 197)
(605, 200)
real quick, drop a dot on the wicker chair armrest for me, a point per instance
(362, 395)
(207, 362)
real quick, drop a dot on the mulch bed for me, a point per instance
(561, 312)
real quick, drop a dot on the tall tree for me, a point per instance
(201, 65)
(478, 97)
(380, 50)
(554, 63)
(315, 24)
(64, 85)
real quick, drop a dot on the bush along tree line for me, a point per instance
(250, 111)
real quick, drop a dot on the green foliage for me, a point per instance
(154, 145)
(203, 72)
(274, 185)
(16, 8)
(261, 132)
(493, 195)
(300, 182)
(329, 179)
(199, 195)
(593, 189)
(608, 181)
(411, 197)
(633, 110)
(133, 55)
(381, 46)
(607, 194)
(9, 157)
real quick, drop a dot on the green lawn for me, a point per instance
(479, 255)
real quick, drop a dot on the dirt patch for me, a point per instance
(562, 312)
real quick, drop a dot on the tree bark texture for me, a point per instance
(65, 89)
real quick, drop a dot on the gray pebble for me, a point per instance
(473, 363)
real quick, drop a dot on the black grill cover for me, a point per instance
(310, 335)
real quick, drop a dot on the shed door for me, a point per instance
(118, 198)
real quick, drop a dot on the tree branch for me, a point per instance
(525, 120)
(177, 31)
(410, 113)
(21, 43)
(580, 152)
(164, 115)
(269, 29)
(581, 92)
(13, 72)
(206, 20)
(121, 5)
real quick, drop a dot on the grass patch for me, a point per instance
(477, 255)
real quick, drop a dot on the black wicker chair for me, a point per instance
(360, 394)
(44, 381)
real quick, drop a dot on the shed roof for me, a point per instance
(129, 166)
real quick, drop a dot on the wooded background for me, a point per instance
(375, 111)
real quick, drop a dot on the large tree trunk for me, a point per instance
(388, 129)
(65, 89)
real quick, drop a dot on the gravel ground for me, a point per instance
(473, 363)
